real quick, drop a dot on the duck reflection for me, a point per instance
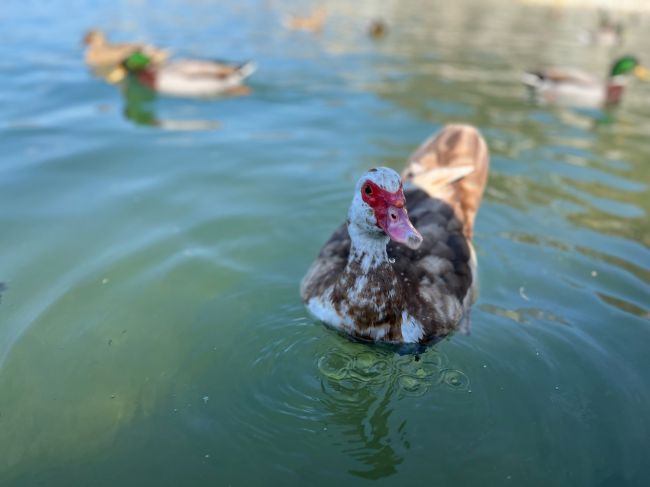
(140, 108)
(362, 391)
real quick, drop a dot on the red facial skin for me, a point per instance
(390, 213)
(380, 200)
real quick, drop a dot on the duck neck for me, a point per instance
(614, 90)
(367, 251)
(147, 77)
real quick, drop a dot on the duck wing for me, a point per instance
(437, 277)
(329, 265)
(199, 68)
(452, 166)
(559, 76)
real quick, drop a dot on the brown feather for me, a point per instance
(455, 146)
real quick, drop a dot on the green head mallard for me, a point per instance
(136, 62)
(567, 86)
(629, 65)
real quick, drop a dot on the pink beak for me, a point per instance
(400, 229)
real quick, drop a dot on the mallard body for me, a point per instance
(189, 77)
(568, 86)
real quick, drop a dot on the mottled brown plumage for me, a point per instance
(433, 284)
(455, 147)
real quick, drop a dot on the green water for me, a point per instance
(151, 332)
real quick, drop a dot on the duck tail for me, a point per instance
(246, 69)
(452, 165)
(532, 79)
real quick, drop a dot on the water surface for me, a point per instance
(151, 331)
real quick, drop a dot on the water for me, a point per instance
(152, 334)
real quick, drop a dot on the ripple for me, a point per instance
(411, 375)
(455, 379)
(334, 365)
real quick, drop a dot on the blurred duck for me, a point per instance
(312, 23)
(377, 29)
(391, 276)
(188, 77)
(608, 33)
(104, 56)
(574, 87)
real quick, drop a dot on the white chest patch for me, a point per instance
(412, 330)
(323, 309)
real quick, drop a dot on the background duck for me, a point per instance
(386, 277)
(377, 29)
(188, 77)
(575, 87)
(312, 23)
(608, 33)
(104, 57)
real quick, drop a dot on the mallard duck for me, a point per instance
(377, 29)
(104, 56)
(574, 87)
(392, 276)
(312, 23)
(188, 77)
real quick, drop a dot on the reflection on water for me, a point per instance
(140, 108)
(360, 391)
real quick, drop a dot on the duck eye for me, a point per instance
(367, 190)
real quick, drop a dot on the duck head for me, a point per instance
(136, 62)
(629, 65)
(95, 38)
(378, 210)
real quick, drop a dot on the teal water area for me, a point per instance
(151, 330)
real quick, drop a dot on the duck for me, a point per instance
(313, 23)
(104, 57)
(188, 77)
(377, 29)
(575, 87)
(608, 33)
(406, 277)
